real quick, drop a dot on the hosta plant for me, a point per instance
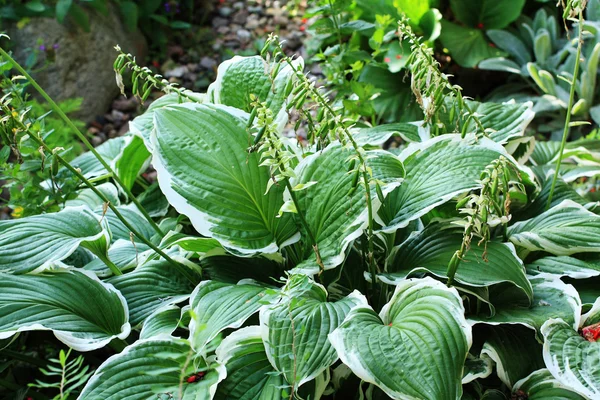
(271, 266)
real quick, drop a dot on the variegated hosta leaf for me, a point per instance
(572, 360)
(432, 249)
(378, 135)
(502, 120)
(156, 368)
(239, 77)
(436, 171)
(86, 197)
(124, 254)
(476, 368)
(334, 208)
(584, 150)
(227, 268)
(250, 375)
(31, 243)
(562, 230)
(142, 125)
(216, 306)
(541, 385)
(206, 173)
(90, 167)
(151, 286)
(154, 201)
(161, 322)
(295, 330)
(515, 351)
(83, 312)
(416, 348)
(198, 245)
(552, 298)
(564, 266)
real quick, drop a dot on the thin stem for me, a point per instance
(569, 110)
(81, 137)
(311, 235)
(23, 358)
(182, 269)
(113, 268)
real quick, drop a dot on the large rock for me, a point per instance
(84, 60)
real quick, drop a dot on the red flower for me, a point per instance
(591, 333)
(398, 56)
(304, 20)
(480, 25)
(387, 59)
(302, 28)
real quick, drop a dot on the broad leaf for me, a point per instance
(239, 77)
(216, 306)
(552, 298)
(33, 243)
(86, 197)
(564, 266)
(151, 286)
(432, 249)
(335, 211)
(295, 330)
(563, 230)
(415, 349)
(56, 301)
(515, 351)
(132, 162)
(476, 368)
(154, 368)
(124, 254)
(436, 171)
(541, 385)
(487, 14)
(250, 375)
(468, 46)
(571, 359)
(161, 322)
(118, 229)
(206, 173)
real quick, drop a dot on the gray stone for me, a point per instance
(208, 63)
(253, 22)
(84, 60)
(238, 5)
(225, 11)
(218, 22)
(176, 72)
(244, 36)
(240, 17)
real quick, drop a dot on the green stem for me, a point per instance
(113, 268)
(569, 110)
(311, 235)
(182, 269)
(15, 355)
(81, 137)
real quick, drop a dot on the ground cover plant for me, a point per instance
(461, 264)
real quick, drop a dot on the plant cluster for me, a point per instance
(274, 262)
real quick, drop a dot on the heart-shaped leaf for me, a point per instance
(415, 349)
(206, 173)
(541, 385)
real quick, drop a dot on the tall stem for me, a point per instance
(311, 235)
(569, 110)
(81, 137)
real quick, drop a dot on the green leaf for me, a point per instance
(34, 243)
(564, 266)
(56, 301)
(80, 17)
(552, 298)
(250, 375)
(87, 197)
(336, 209)
(515, 351)
(476, 368)
(432, 249)
(563, 230)
(541, 385)
(378, 135)
(206, 173)
(35, 6)
(511, 44)
(240, 77)
(295, 330)
(118, 229)
(129, 13)
(217, 306)
(151, 369)
(151, 286)
(62, 9)
(413, 9)
(133, 161)
(154, 202)
(487, 14)
(230, 269)
(436, 171)
(467, 46)
(571, 359)
(123, 254)
(416, 347)
(162, 322)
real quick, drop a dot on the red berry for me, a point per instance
(302, 28)
(304, 20)
(480, 25)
